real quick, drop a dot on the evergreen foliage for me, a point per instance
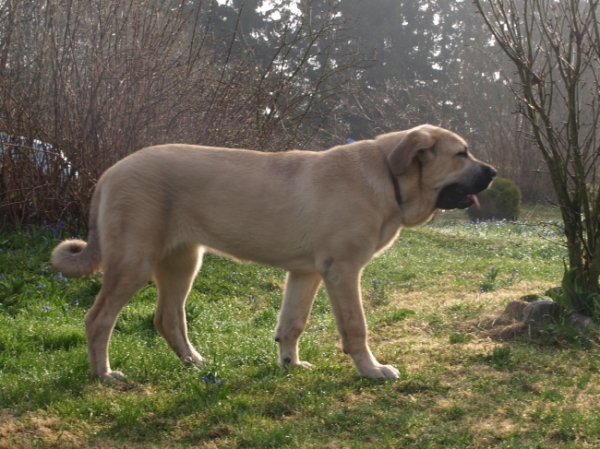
(501, 201)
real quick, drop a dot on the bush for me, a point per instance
(574, 297)
(501, 201)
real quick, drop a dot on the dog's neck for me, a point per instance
(396, 186)
(394, 180)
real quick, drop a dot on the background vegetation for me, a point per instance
(555, 49)
(430, 304)
(84, 83)
(502, 201)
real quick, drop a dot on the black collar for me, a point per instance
(393, 178)
(395, 184)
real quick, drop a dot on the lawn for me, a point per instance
(429, 300)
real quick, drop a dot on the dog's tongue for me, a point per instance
(475, 201)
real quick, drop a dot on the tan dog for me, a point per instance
(321, 216)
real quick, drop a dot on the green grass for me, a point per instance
(426, 310)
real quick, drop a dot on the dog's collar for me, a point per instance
(394, 180)
(396, 186)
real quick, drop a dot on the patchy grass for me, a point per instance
(528, 212)
(426, 311)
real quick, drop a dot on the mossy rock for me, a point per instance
(531, 297)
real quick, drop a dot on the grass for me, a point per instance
(427, 300)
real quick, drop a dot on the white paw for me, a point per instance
(381, 371)
(305, 365)
(194, 359)
(299, 363)
(113, 376)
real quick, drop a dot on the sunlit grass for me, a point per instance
(425, 307)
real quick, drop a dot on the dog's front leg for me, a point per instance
(300, 291)
(344, 294)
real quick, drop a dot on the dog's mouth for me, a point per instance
(462, 195)
(454, 196)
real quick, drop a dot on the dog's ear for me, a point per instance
(417, 143)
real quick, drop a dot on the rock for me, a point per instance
(541, 309)
(514, 310)
(580, 321)
(530, 298)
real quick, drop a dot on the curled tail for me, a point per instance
(76, 258)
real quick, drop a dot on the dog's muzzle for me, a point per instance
(460, 195)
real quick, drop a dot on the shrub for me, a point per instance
(574, 297)
(501, 201)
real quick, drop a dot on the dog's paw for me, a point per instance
(113, 376)
(305, 365)
(194, 359)
(300, 364)
(381, 371)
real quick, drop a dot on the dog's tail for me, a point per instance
(76, 258)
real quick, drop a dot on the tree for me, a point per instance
(400, 37)
(555, 48)
(84, 83)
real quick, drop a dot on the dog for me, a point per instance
(322, 216)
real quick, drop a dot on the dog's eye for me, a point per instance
(463, 154)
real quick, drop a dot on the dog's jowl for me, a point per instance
(322, 216)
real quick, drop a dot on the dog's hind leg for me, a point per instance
(120, 282)
(174, 276)
(300, 291)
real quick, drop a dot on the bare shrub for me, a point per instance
(85, 83)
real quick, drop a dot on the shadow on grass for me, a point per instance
(257, 407)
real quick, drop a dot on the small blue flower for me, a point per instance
(46, 308)
(41, 286)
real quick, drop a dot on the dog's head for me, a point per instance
(440, 162)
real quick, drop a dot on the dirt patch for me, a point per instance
(34, 430)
